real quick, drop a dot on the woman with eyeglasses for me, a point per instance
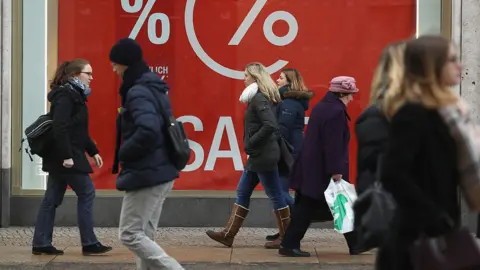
(67, 164)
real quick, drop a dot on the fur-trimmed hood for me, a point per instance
(301, 96)
(298, 94)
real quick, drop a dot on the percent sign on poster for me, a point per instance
(192, 38)
(237, 37)
(152, 21)
(267, 25)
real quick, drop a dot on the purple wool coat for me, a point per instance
(324, 151)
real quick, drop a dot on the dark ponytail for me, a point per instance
(66, 70)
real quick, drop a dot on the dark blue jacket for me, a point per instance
(142, 154)
(291, 116)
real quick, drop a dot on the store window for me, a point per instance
(429, 14)
(200, 49)
(34, 82)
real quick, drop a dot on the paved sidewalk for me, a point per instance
(190, 246)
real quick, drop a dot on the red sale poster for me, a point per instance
(200, 48)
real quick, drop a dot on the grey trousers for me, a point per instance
(139, 218)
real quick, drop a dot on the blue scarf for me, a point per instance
(80, 85)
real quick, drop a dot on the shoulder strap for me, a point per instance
(161, 104)
(163, 112)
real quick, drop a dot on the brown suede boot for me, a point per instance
(283, 220)
(226, 237)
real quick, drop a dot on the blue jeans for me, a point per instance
(270, 182)
(285, 181)
(82, 185)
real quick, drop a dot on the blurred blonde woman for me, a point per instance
(261, 145)
(371, 129)
(420, 168)
(389, 72)
(371, 126)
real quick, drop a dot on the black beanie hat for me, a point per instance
(126, 52)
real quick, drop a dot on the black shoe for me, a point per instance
(353, 246)
(293, 252)
(46, 251)
(272, 237)
(359, 250)
(95, 249)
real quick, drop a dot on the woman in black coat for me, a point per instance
(371, 126)
(291, 119)
(420, 164)
(371, 129)
(261, 142)
(67, 164)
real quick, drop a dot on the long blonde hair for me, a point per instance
(388, 75)
(266, 85)
(424, 60)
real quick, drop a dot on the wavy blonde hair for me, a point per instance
(266, 85)
(424, 60)
(388, 75)
(294, 79)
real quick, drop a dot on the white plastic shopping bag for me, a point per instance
(340, 196)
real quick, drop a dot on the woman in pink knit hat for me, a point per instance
(323, 156)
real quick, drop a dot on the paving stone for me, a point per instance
(212, 255)
(15, 255)
(250, 255)
(336, 256)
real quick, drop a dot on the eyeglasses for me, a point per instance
(88, 73)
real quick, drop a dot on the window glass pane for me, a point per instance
(34, 83)
(429, 14)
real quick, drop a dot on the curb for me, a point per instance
(189, 266)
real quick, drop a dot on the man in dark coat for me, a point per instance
(323, 156)
(147, 175)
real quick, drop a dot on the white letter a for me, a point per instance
(225, 122)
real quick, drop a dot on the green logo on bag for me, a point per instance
(339, 211)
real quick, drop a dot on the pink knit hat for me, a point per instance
(343, 84)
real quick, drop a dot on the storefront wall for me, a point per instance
(204, 68)
(5, 110)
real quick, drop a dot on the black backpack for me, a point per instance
(178, 149)
(39, 136)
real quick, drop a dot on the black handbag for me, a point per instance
(285, 164)
(374, 212)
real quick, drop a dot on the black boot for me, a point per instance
(95, 249)
(46, 251)
(353, 248)
(272, 237)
